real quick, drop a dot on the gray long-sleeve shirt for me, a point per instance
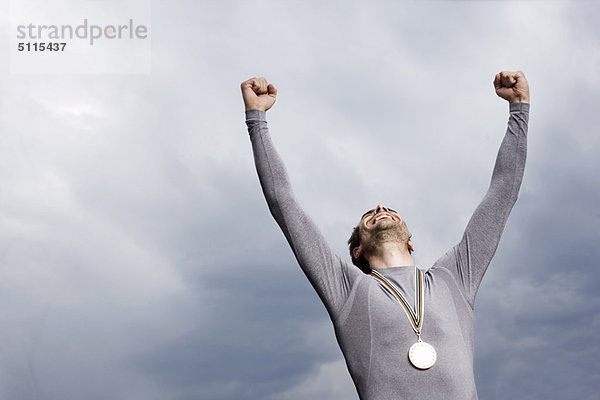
(372, 330)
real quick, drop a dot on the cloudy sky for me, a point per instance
(138, 259)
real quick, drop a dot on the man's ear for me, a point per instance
(410, 246)
(357, 251)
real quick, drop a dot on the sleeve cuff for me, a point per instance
(516, 107)
(256, 115)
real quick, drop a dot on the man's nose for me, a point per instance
(381, 207)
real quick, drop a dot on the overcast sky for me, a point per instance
(138, 259)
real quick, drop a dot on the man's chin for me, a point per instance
(392, 232)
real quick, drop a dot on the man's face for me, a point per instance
(381, 225)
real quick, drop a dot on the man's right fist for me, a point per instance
(512, 86)
(257, 94)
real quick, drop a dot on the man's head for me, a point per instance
(377, 226)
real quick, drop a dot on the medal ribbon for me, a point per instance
(415, 316)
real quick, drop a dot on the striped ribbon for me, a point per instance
(415, 316)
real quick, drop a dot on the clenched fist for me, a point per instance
(512, 86)
(257, 94)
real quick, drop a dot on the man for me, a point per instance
(404, 333)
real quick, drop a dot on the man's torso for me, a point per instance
(374, 334)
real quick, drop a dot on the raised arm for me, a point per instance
(330, 276)
(469, 259)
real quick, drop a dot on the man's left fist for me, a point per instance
(512, 86)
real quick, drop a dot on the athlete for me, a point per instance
(405, 333)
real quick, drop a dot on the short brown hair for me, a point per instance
(353, 243)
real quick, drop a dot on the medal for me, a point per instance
(422, 355)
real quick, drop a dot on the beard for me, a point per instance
(385, 232)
